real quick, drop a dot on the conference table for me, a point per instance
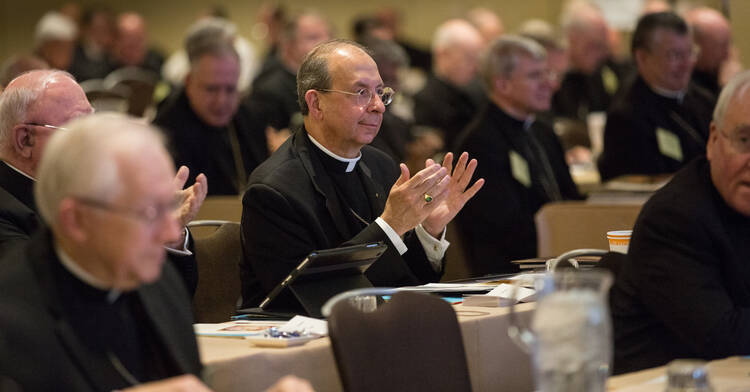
(495, 362)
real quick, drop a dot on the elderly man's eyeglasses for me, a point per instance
(740, 141)
(364, 95)
(45, 126)
(150, 214)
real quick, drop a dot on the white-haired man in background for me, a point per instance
(449, 99)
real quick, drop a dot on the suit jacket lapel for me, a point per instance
(95, 366)
(375, 193)
(321, 182)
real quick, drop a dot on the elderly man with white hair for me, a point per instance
(90, 304)
(34, 106)
(449, 99)
(683, 290)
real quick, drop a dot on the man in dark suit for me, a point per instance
(450, 99)
(683, 290)
(713, 35)
(659, 122)
(273, 101)
(85, 305)
(89, 304)
(33, 107)
(590, 83)
(522, 159)
(325, 187)
(207, 129)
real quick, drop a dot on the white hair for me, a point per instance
(736, 87)
(85, 160)
(578, 15)
(54, 26)
(15, 102)
(452, 33)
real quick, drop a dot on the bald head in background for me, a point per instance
(586, 31)
(713, 35)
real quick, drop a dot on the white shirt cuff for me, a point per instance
(434, 248)
(184, 251)
(395, 239)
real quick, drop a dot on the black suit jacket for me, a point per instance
(291, 209)
(19, 220)
(497, 225)
(684, 290)
(40, 349)
(18, 217)
(208, 150)
(273, 100)
(630, 135)
(445, 107)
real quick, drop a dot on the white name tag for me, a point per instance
(669, 144)
(519, 168)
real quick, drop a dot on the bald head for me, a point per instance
(488, 23)
(456, 45)
(32, 103)
(712, 33)
(586, 31)
(130, 43)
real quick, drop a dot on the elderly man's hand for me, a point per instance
(457, 194)
(407, 204)
(184, 383)
(291, 384)
(191, 198)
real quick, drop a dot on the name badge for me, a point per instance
(669, 144)
(519, 168)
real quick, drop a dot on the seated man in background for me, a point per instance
(273, 101)
(207, 130)
(522, 160)
(326, 188)
(660, 122)
(89, 303)
(448, 102)
(33, 107)
(131, 46)
(683, 291)
(713, 35)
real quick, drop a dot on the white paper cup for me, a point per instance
(619, 240)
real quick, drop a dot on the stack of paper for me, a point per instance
(501, 295)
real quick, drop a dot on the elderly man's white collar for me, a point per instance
(352, 162)
(19, 171)
(678, 95)
(84, 276)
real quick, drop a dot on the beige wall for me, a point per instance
(168, 19)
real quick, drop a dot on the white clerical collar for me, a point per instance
(84, 276)
(528, 121)
(20, 172)
(678, 95)
(351, 162)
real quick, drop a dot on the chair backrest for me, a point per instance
(566, 225)
(228, 208)
(105, 99)
(411, 343)
(141, 82)
(218, 257)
